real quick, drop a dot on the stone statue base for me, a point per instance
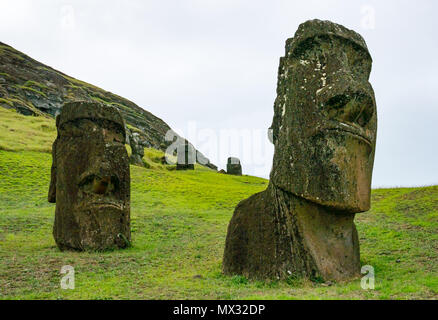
(185, 167)
(275, 235)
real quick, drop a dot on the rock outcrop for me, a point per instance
(324, 132)
(137, 144)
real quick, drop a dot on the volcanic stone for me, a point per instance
(324, 133)
(137, 148)
(90, 179)
(234, 167)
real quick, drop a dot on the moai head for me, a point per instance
(90, 178)
(325, 122)
(234, 166)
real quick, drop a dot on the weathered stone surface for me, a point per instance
(234, 167)
(324, 132)
(186, 156)
(137, 149)
(90, 180)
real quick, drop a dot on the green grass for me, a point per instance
(179, 222)
(22, 133)
(39, 85)
(10, 51)
(12, 100)
(33, 90)
(81, 84)
(10, 103)
(97, 99)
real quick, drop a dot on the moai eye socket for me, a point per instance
(105, 185)
(354, 108)
(113, 132)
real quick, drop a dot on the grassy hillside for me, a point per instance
(179, 222)
(33, 88)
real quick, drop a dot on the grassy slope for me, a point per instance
(179, 222)
(33, 88)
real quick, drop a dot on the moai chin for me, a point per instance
(90, 180)
(324, 132)
(234, 167)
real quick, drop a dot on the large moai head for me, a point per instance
(325, 122)
(90, 178)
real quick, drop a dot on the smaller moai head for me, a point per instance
(325, 120)
(90, 178)
(233, 166)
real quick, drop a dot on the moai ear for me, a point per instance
(52, 187)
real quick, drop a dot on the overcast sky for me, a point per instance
(209, 67)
